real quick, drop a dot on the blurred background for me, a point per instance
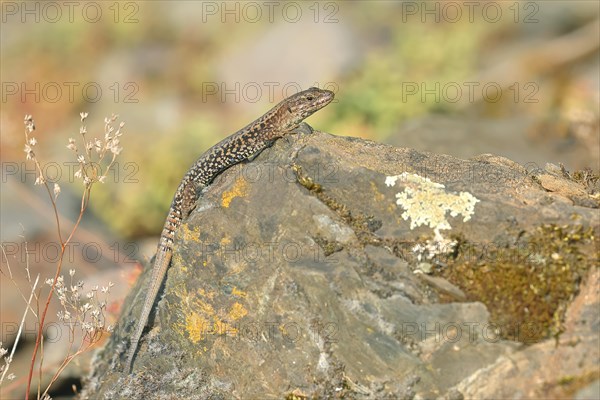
(516, 79)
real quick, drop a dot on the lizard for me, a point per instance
(245, 144)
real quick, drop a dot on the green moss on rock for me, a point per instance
(526, 286)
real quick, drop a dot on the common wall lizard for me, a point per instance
(245, 144)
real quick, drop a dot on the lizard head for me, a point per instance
(293, 110)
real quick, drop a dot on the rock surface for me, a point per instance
(297, 276)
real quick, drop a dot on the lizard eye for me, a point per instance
(290, 110)
(309, 98)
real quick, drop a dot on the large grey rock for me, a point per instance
(296, 275)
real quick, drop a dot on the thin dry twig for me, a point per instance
(8, 360)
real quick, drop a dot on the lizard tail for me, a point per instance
(161, 263)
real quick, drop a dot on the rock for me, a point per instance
(550, 369)
(293, 278)
(592, 391)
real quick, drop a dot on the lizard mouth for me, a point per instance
(327, 98)
(324, 97)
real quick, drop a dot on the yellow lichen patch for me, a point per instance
(201, 319)
(223, 328)
(239, 293)
(237, 311)
(198, 315)
(380, 197)
(239, 189)
(203, 293)
(179, 261)
(190, 234)
(377, 195)
(282, 330)
(196, 327)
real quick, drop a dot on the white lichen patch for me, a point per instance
(428, 203)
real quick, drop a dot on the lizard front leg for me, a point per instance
(303, 128)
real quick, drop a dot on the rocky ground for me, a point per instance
(333, 267)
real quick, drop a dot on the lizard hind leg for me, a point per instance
(191, 192)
